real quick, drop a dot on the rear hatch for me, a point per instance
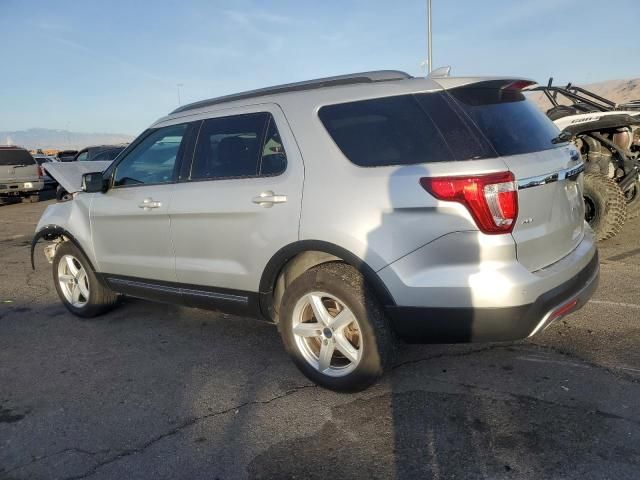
(17, 165)
(550, 221)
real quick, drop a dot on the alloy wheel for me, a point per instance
(73, 281)
(327, 334)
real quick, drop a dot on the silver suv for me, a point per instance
(349, 210)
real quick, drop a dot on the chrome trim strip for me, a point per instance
(219, 296)
(180, 291)
(148, 286)
(550, 177)
(537, 181)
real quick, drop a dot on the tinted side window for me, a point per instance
(238, 146)
(105, 155)
(512, 124)
(153, 160)
(273, 160)
(385, 131)
(83, 156)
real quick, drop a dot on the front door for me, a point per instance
(130, 222)
(240, 203)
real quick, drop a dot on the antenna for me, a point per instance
(429, 39)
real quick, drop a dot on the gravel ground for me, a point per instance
(152, 391)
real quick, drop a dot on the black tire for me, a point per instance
(632, 197)
(101, 299)
(377, 342)
(560, 111)
(605, 206)
(61, 193)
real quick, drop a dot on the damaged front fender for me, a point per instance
(66, 221)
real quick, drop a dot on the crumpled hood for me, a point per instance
(69, 174)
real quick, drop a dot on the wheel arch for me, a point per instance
(52, 232)
(300, 256)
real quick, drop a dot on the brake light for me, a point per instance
(491, 199)
(40, 171)
(518, 85)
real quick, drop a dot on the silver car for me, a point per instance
(350, 210)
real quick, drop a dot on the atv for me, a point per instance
(608, 137)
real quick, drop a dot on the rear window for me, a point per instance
(511, 123)
(460, 124)
(16, 157)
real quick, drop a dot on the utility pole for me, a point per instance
(429, 42)
(179, 85)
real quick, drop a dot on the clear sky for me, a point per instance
(113, 66)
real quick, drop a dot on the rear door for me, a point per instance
(550, 221)
(240, 201)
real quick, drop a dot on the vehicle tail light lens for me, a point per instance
(40, 171)
(491, 199)
(518, 85)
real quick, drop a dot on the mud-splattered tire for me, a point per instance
(77, 285)
(330, 309)
(605, 206)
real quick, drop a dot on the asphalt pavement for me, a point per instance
(151, 391)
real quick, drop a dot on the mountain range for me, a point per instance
(45, 138)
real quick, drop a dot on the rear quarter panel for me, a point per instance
(379, 214)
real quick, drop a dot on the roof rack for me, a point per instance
(350, 79)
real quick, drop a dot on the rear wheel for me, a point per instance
(334, 329)
(605, 206)
(77, 285)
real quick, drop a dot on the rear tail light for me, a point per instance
(491, 199)
(518, 85)
(40, 171)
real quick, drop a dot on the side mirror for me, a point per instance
(93, 182)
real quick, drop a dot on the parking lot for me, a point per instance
(156, 391)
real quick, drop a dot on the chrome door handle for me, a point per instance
(149, 203)
(267, 199)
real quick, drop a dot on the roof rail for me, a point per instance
(352, 78)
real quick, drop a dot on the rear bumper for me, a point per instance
(468, 324)
(20, 188)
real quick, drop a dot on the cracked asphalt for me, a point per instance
(151, 391)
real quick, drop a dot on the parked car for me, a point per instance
(99, 153)
(349, 210)
(66, 155)
(102, 154)
(20, 175)
(41, 160)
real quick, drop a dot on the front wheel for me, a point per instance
(77, 286)
(605, 206)
(334, 329)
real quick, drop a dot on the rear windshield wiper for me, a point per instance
(563, 137)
